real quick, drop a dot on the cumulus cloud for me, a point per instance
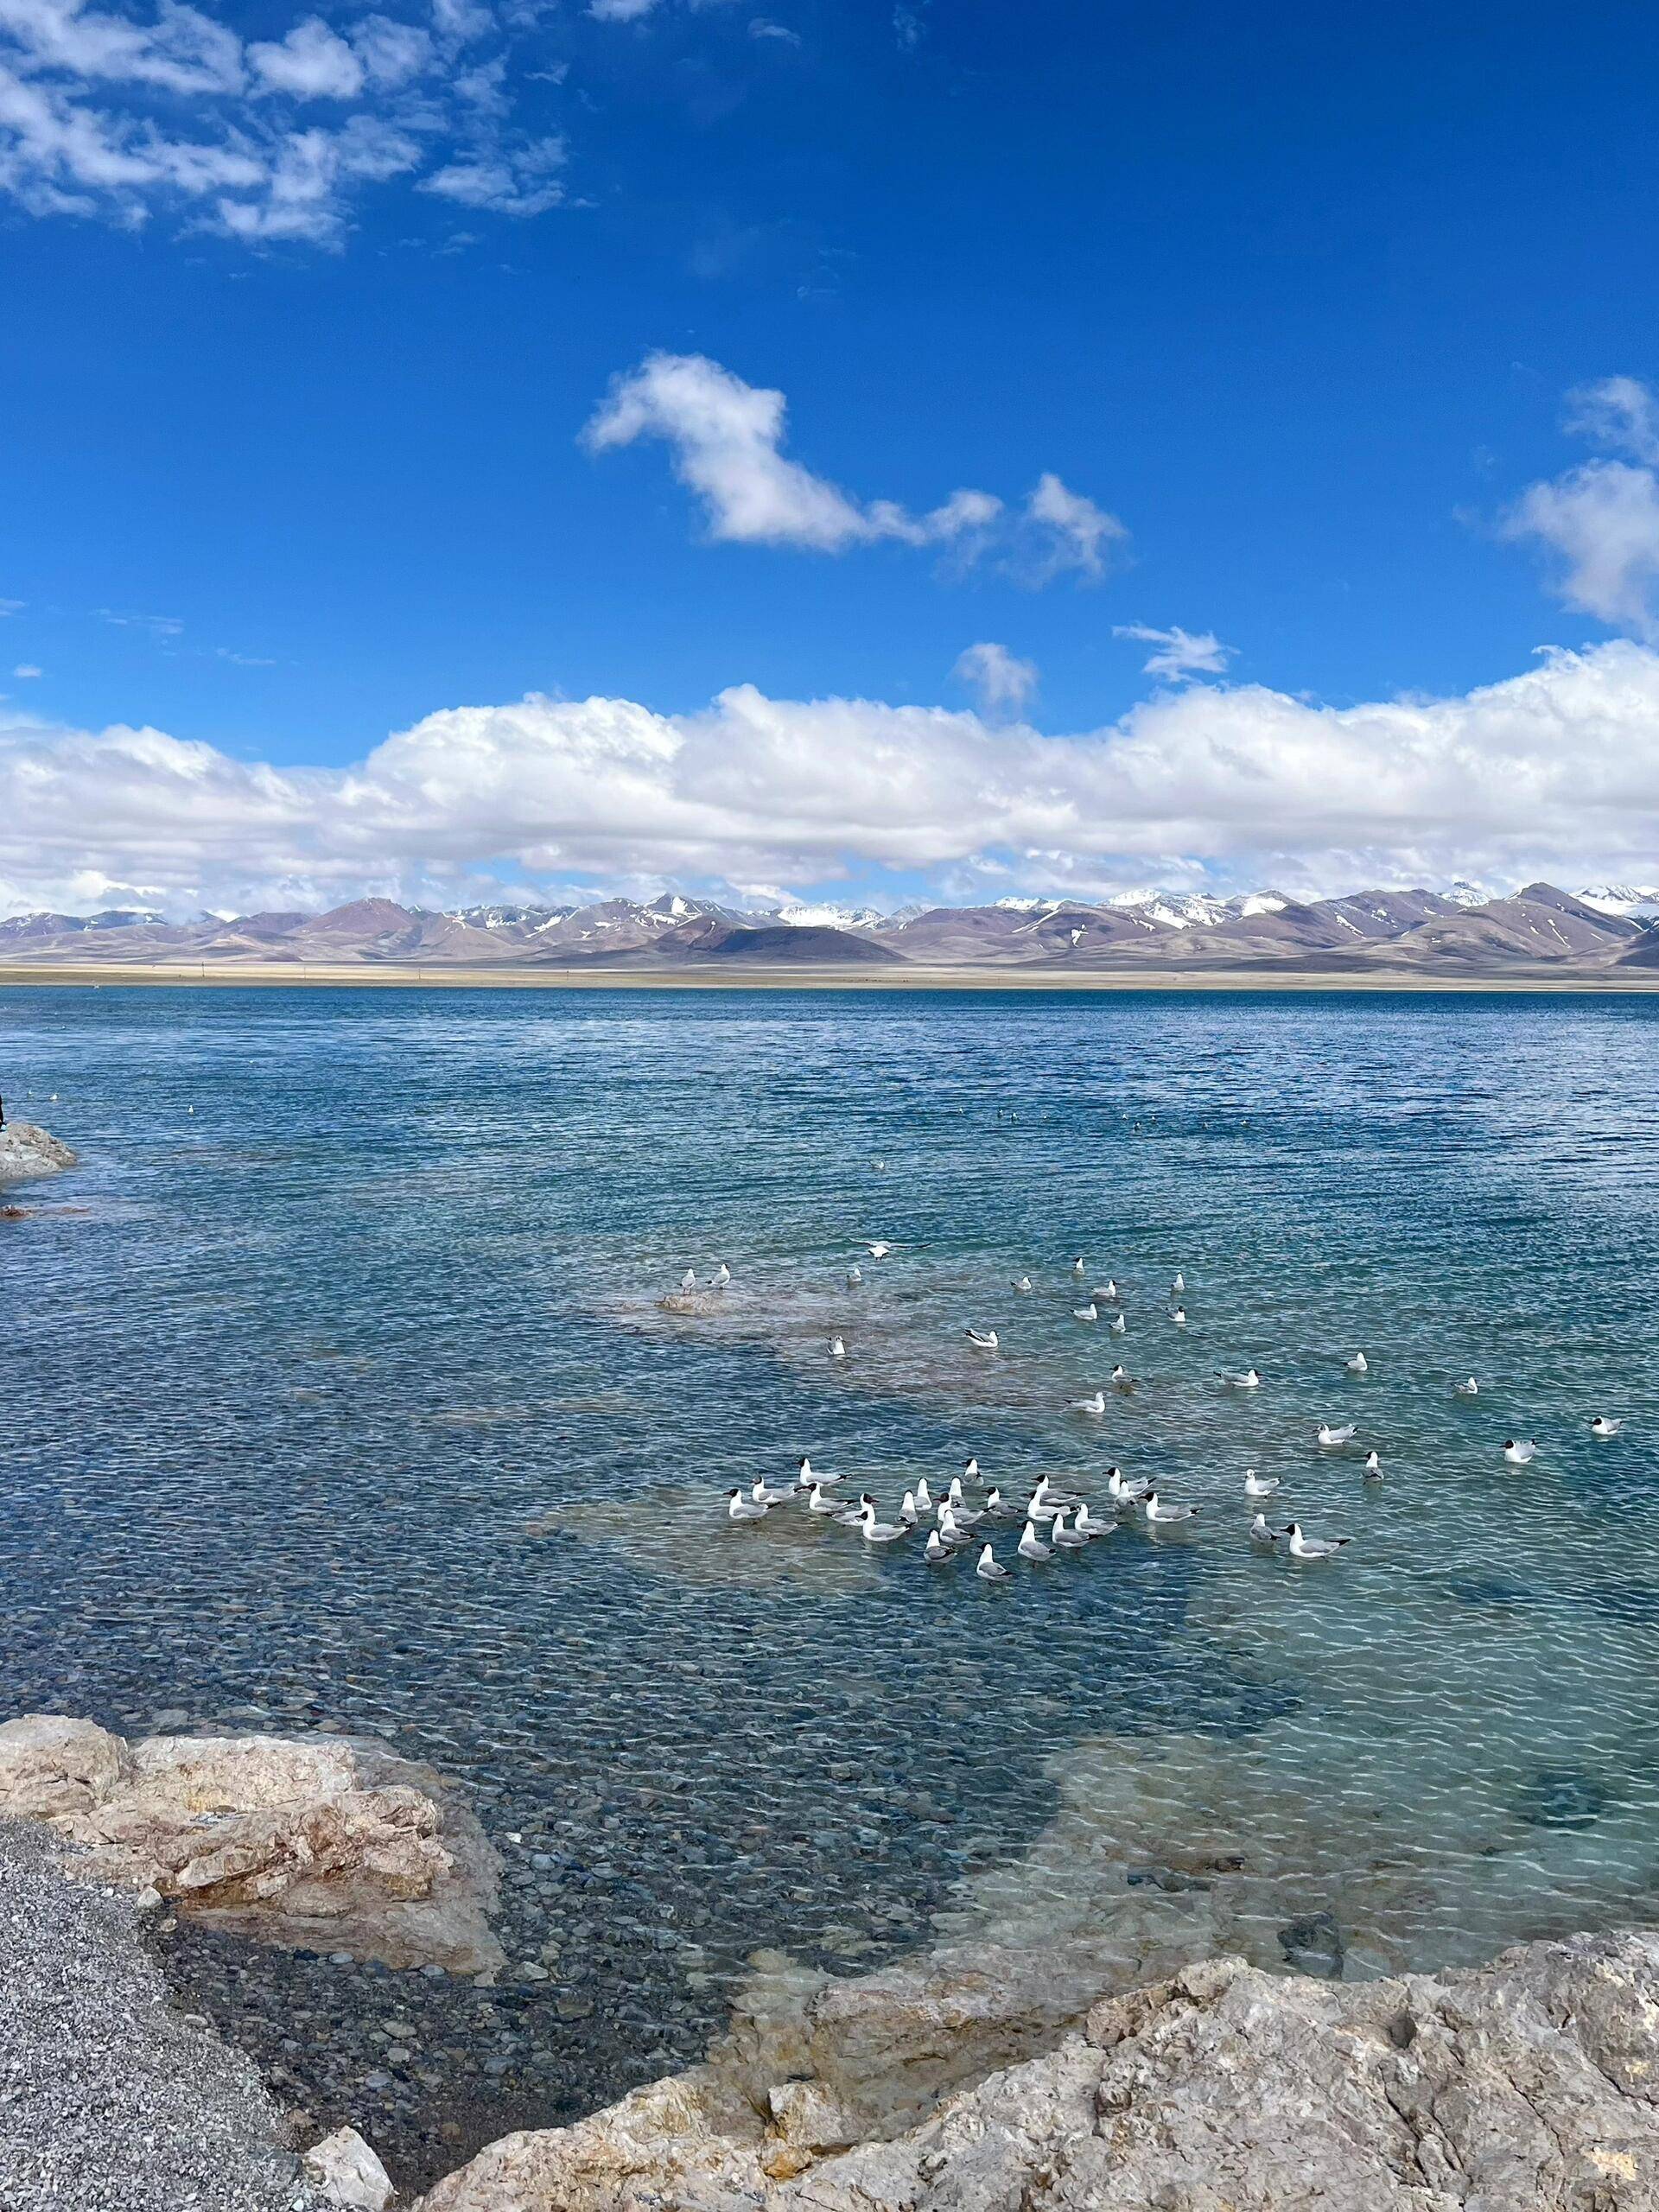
(1555, 771)
(726, 440)
(1178, 652)
(1005, 683)
(1598, 524)
(120, 117)
(26, 670)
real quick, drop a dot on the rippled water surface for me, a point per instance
(348, 1397)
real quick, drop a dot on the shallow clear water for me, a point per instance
(349, 1397)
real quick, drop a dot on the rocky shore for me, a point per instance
(27, 1151)
(978, 2077)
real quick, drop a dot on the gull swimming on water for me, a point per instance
(1249, 1380)
(1358, 1364)
(1259, 1485)
(1067, 1539)
(1519, 1451)
(1156, 1511)
(1110, 1293)
(1179, 1317)
(907, 1509)
(953, 1531)
(1468, 1388)
(739, 1508)
(1260, 1532)
(1094, 1405)
(1334, 1439)
(878, 1532)
(806, 1475)
(837, 1348)
(998, 1508)
(1121, 1379)
(1022, 1284)
(962, 1516)
(988, 1571)
(1119, 1487)
(1031, 1545)
(982, 1339)
(855, 1276)
(1088, 1312)
(1373, 1467)
(1119, 1325)
(763, 1496)
(970, 1470)
(819, 1501)
(1301, 1547)
(1601, 1426)
(924, 1496)
(1078, 1266)
(936, 1550)
(1086, 1524)
(1180, 1283)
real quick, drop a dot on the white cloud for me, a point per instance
(1005, 684)
(760, 28)
(1603, 522)
(621, 11)
(27, 669)
(119, 118)
(11, 607)
(1554, 772)
(312, 62)
(1180, 653)
(727, 437)
(1620, 412)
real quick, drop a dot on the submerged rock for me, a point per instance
(27, 1151)
(1525, 2086)
(323, 1842)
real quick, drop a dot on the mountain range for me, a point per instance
(1460, 931)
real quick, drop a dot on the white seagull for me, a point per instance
(763, 1496)
(1601, 1426)
(878, 1250)
(1087, 1525)
(924, 1496)
(971, 1469)
(988, 1571)
(963, 1518)
(741, 1508)
(1334, 1439)
(1178, 1285)
(1520, 1451)
(722, 1275)
(819, 1501)
(1259, 1485)
(1179, 1317)
(1467, 1389)
(1158, 1512)
(1078, 1266)
(1094, 1405)
(1088, 1312)
(1070, 1539)
(1119, 1325)
(982, 1339)
(1249, 1380)
(1358, 1364)
(1373, 1467)
(1110, 1293)
(1031, 1545)
(689, 1280)
(1022, 1284)
(878, 1532)
(837, 1348)
(1260, 1532)
(1301, 1547)
(1119, 1487)
(806, 1475)
(998, 1508)
(936, 1550)
(907, 1509)
(956, 1533)
(855, 1276)
(1121, 1379)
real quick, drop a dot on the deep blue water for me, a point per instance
(348, 1397)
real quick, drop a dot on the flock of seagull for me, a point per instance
(1057, 1520)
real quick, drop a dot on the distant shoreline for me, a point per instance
(226, 975)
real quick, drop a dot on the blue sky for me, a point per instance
(1296, 297)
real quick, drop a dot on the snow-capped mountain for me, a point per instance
(803, 914)
(1630, 900)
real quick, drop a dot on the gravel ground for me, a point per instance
(109, 2101)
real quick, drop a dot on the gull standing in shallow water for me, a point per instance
(762, 1496)
(988, 1571)
(689, 1280)
(1301, 1547)
(722, 1275)
(1520, 1452)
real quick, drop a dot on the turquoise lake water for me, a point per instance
(348, 1396)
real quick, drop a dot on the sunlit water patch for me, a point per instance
(352, 1399)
